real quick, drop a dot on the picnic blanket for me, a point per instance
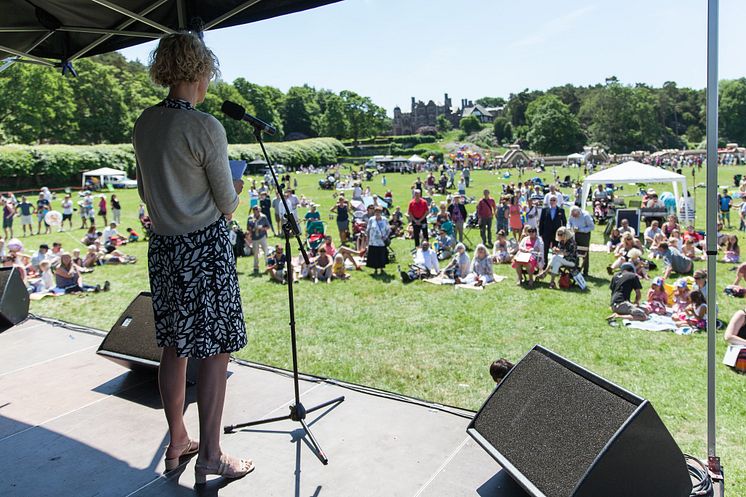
(443, 280)
(655, 323)
(598, 247)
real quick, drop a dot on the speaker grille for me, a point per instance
(550, 422)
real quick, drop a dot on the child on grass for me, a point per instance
(681, 298)
(695, 314)
(657, 297)
(338, 268)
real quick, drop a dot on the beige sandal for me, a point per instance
(224, 469)
(189, 450)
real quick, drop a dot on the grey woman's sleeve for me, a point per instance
(217, 169)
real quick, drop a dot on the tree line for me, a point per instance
(621, 118)
(38, 105)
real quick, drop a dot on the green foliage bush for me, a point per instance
(26, 166)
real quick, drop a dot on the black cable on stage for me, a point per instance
(701, 476)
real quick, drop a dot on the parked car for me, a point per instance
(124, 183)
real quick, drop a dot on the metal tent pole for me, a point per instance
(712, 188)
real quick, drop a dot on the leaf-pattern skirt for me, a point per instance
(196, 298)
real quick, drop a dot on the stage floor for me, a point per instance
(75, 424)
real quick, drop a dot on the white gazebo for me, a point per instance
(636, 172)
(416, 159)
(105, 175)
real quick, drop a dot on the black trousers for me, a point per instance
(416, 229)
(485, 230)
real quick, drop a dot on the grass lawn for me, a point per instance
(437, 342)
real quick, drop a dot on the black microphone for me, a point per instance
(235, 111)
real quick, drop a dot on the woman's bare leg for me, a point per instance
(172, 384)
(210, 400)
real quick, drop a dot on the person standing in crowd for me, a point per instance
(486, 209)
(265, 206)
(725, 201)
(417, 212)
(26, 209)
(550, 219)
(278, 208)
(457, 211)
(342, 209)
(116, 209)
(42, 207)
(9, 212)
(256, 233)
(378, 234)
(67, 213)
(102, 209)
(179, 146)
(580, 221)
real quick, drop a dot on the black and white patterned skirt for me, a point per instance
(196, 298)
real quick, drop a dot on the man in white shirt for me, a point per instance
(624, 227)
(427, 258)
(41, 255)
(553, 191)
(109, 231)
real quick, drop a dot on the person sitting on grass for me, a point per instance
(109, 254)
(658, 238)
(621, 286)
(500, 369)
(621, 253)
(69, 279)
(564, 254)
(615, 238)
(735, 334)
(459, 266)
(10, 260)
(427, 259)
(110, 235)
(657, 298)
(691, 251)
(676, 241)
(651, 232)
(348, 254)
(481, 272)
(732, 252)
(321, 269)
(529, 258)
(132, 235)
(90, 237)
(339, 271)
(624, 227)
(445, 245)
(45, 282)
(695, 314)
(674, 261)
(641, 266)
(501, 253)
(276, 265)
(681, 296)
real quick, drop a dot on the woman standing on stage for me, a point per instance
(184, 179)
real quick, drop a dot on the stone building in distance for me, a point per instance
(426, 114)
(422, 114)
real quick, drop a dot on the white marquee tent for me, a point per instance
(636, 172)
(105, 175)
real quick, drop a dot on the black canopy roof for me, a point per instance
(53, 31)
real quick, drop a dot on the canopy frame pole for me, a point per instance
(97, 31)
(121, 27)
(132, 15)
(26, 55)
(712, 187)
(229, 14)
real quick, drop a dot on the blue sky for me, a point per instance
(391, 50)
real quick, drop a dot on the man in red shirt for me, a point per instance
(418, 217)
(486, 209)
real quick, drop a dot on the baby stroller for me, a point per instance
(328, 184)
(238, 240)
(315, 235)
(390, 253)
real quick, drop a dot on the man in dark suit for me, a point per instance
(551, 218)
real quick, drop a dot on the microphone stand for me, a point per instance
(298, 411)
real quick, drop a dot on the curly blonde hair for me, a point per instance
(182, 56)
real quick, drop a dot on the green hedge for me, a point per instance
(33, 166)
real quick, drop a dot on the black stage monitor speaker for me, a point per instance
(13, 298)
(131, 341)
(561, 431)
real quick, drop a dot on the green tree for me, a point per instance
(517, 105)
(217, 93)
(503, 129)
(491, 101)
(101, 105)
(261, 99)
(553, 129)
(732, 111)
(365, 117)
(334, 121)
(298, 110)
(443, 124)
(470, 124)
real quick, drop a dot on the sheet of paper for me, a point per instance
(731, 355)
